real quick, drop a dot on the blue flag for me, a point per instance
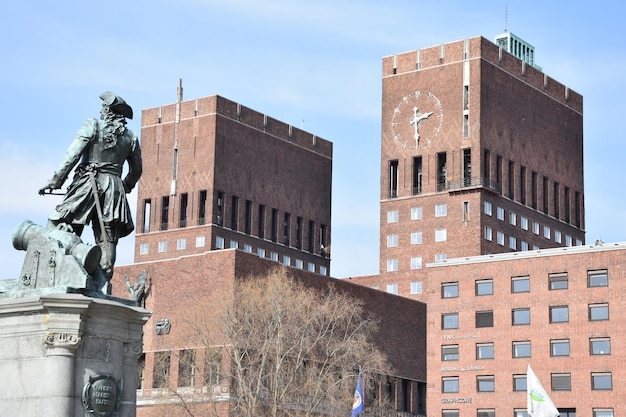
(357, 404)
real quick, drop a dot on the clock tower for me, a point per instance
(481, 153)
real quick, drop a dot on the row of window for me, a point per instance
(416, 262)
(521, 284)
(393, 216)
(280, 227)
(192, 364)
(220, 243)
(522, 349)
(522, 412)
(600, 381)
(521, 316)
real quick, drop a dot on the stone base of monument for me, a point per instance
(69, 355)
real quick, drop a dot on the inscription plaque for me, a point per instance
(100, 396)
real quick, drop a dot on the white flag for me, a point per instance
(539, 404)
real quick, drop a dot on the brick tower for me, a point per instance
(222, 175)
(481, 153)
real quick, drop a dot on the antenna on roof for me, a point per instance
(179, 91)
(506, 17)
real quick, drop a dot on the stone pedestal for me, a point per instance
(68, 355)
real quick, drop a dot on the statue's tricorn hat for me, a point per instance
(117, 104)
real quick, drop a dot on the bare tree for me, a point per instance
(291, 350)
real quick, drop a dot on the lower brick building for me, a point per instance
(174, 286)
(561, 311)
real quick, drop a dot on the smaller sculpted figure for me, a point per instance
(137, 291)
(97, 193)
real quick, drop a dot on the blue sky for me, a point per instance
(313, 64)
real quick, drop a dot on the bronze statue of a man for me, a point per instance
(97, 193)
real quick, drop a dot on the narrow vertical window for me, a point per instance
(566, 203)
(466, 125)
(165, 211)
(261, 231)
(182, 216)
(533, 190)
(556, 201)
(522, 184)
(248, 219)
(146, 215)
(286, 228)
(577, 211)
(186, 367)
(498, 169)
(417, 175)
(466, 211)
(441, 171)
(219, 212)
(299, 233)
(323, 241)
(393, 179)
(545, 195)
(511, 180)
(311, 236)
(486, 166)
(234, 213)
(202, 207)
(274, 225)
(467, 167)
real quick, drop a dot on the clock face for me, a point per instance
(417, 120)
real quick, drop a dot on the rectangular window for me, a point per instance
(247, 248)
(484, 287)
(441, 171)
(146, 215)
(248, 218)
(511, 180)
(440, 257)
(144, 248)
(521, 316)
(485, 412)
(519, 412)
(598, 312)
(416, 286)
(487, 208)
(261, 224)
(234, 213)
(561, 382)
(558, 281)
(546, 232)
(601, 381)
(600, 346)
(512, 218)
(485, 383)
(298, 232)
(417, 175)
(416, 213)
(392, 216)
(545, 195)
(450, 321)
(182, 215)
(521, 349)
(467, 165)
(311, 267)
(522, 183)
(455, 413)
(559, 314)
(512, 243)
(441, 210)
(311, 236)
(523, 246)
(558, 236)
(186, 367)
(466, 211)
(274, 256)
(392, 265)
(161, 369)
(500, 213)
(393, 179)
(603, 412)
(519, 382)
(450, 352)
(533, 190)
(559, 347)
(219, 212)
(520, 284)
(212, 366)
(536, 228)
(599, 278)
(484, 350)
(449, 290)
(323, 270)
(441, 235)
(274, 225)
(219, 242)
(260, 252)
(392, 288)
(392, 241)
(488, 233)
(234, 244)
(523, 222)
(286, 260)
(450, 384)
(163, 246)
(202, 195)
(181, 244)
(500, 238)
(286, 229)
(416, 238)
(165, 210)
(484, 319)
(416, 262)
